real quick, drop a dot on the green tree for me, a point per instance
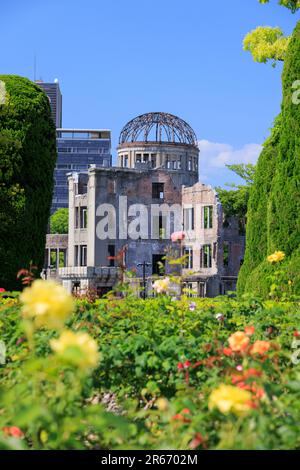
(59, 221)
(284, 207)
(256, 230)
(293, 5)
(234, 201)
(246, 171)
(266, 43)
(27, 160)
(274, 205)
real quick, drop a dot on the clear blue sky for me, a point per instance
(120, 58)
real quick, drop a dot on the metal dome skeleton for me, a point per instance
(158, 127)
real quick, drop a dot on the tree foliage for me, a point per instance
(246, 171)
(234, 201)
(59, 221)
(284, 207)
(293, 5)
(274, 205)
(266, 43)
(27, 160)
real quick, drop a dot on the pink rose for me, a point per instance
(177, 236)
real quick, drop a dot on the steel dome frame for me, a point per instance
(174, 128)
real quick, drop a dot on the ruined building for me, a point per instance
(121, 218)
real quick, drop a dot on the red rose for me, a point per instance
(227, 351)
(249, 330)
(13, 431)
(180, 417)
(197, 441)
(252, 373)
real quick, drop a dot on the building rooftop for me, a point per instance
(63, 129)
(93, 134)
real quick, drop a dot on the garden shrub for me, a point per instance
(27, 160)
(176, 373)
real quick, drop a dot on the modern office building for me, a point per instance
(53, 92)
(77, 151)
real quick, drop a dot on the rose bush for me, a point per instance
(182, 374)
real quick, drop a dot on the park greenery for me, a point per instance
(165, 372)
(160, 373)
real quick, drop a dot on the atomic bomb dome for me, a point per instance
(158, 127)
(160, 141)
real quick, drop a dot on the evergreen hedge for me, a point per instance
(274, 205)
(27, 160)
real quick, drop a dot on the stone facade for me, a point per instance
(103, 242)
(215, 245)
(202, 240)
(181, 160)
(124, 190)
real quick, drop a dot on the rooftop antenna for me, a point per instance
(34, 68)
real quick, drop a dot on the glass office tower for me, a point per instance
(53, 92)
(77, 150)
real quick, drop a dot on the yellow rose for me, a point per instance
(78, 349)
(162, 404)
(276, 257)
(230, 399)
(47, 303)
(161, 285)
(260, 347)
(238, 341)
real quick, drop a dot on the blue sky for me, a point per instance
(117, 59)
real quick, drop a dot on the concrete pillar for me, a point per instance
(131, 162)
(71, 248)
(91, 228)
